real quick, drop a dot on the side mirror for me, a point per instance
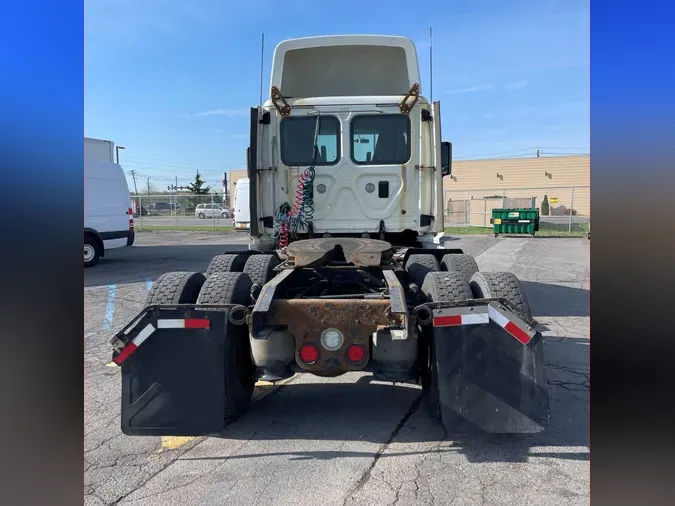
(446, 158)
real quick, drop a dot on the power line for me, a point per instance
(532, 150)
(212, 171)
(179, 165)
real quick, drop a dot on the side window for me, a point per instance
(297, 140)
(380, 140)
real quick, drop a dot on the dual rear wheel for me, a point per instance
(455, 278)
(228, 280)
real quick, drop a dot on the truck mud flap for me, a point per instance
(173, 373)
(491, 374)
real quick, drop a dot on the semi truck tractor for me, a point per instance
(349, 270)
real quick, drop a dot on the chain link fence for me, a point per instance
(180, 211)
(469, 211)
(466, 211)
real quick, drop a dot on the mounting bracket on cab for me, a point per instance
(276, 96)
(414, 93)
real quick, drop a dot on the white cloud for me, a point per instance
(473, 89)
(516, 85)
(230, 113)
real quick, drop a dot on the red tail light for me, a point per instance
(309, 353)
(131, 219)
(356, 353)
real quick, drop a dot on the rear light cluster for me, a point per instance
(310, 354)
(131, 219)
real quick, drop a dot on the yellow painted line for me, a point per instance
(173, 442)
(262, 388)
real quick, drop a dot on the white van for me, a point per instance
(241, 212)
(108, 217)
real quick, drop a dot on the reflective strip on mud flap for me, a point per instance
(452, 317)
(458, 316)
(510, 323)
(134, 344)
(187, 323)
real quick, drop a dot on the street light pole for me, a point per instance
(117, 153)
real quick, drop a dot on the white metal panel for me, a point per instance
(98, 150)
(439, 224)
(345, 65)
(242, 210)
(346, 206)
(106, 198)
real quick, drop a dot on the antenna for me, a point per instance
(262, 62)
(431, 68)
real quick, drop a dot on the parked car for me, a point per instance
(212, 211)
(140, 211)
(160, 206)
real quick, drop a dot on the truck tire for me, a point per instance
(438, 286)
(503, 285)
(418, 266)
(226, 263)
(464, 264)
(233, 288)
(176, 288)
(261, 268)
(92, 251)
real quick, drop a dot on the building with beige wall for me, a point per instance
(475, 187)
(234, 176)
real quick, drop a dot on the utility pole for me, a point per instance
(175, 202)
(117, 153)
(148, 186)
(133, 175)
(226, 192)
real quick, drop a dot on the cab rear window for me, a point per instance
(382, 139)
(297, 141)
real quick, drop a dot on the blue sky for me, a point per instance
(172, 80)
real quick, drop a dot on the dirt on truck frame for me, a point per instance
(328, 287)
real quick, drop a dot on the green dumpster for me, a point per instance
(515, 221)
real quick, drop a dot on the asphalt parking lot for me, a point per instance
(343, 441)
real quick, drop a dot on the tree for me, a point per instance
(544, 206)
(197, 188)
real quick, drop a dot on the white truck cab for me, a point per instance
(347, 271)
(377, 168)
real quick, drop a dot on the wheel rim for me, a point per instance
(89, 252)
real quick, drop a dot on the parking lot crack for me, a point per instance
(367, 474)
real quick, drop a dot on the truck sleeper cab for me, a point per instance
(347, 271)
